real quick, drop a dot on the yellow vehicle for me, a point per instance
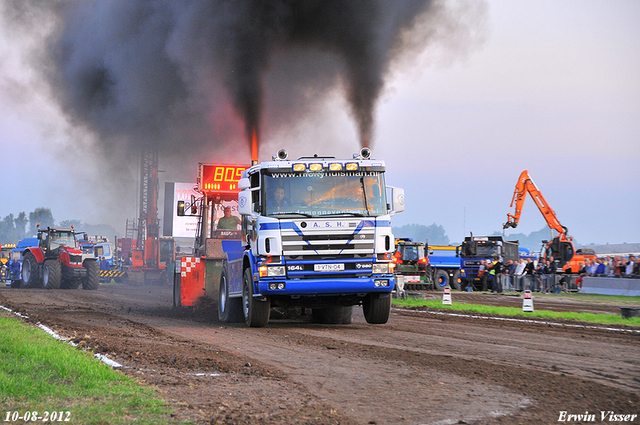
(5, 253)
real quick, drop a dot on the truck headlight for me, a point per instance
(382, 268)
(275, 271)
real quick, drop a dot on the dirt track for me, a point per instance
(419, 368)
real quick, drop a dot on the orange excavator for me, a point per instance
(561, 246)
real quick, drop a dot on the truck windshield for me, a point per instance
(484, 251)
(358, 193)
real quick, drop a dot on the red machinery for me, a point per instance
(560, 247)
(152, 252)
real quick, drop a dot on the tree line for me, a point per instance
(433, 234)
(15, 228)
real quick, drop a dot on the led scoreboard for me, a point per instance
(220, 179)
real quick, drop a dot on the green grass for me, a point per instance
(39, 373)
(603, 319)
(596, 298)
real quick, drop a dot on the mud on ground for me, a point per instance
(418, 368)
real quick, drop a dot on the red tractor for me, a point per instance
(57, 262)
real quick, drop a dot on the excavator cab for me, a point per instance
(562, 251)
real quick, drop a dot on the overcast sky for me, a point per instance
(550, 87)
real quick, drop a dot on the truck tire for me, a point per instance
(441, 279)
(335, 315)
(456, 283)
(91, 281)
(376, 308)
(30, 276)
(51, 274)
(229, 309)
(256, 312)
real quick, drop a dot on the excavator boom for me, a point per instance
(561, 247)
(526, 185)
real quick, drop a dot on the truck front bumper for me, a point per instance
(327, 286)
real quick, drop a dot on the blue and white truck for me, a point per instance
(315, 233)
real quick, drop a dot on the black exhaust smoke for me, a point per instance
(197, 79)
(181, 73)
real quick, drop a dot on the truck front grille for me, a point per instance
(328, 242)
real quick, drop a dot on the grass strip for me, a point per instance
(41, 374)
(602, 319)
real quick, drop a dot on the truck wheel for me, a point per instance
(30, 271)
(256, 312)
(336, 315)
(440, 279)
(455, 282)
(91, 281)
(51, 274)
(376, 308)
(229, 309)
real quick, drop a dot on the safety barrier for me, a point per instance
(610, 286)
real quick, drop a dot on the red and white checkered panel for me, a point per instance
(192, 272)
(188, 264)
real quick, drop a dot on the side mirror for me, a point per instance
(397, 200)
(244, 202)
(244, 183)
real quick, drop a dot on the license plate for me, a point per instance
(412, 279)
(328, 267)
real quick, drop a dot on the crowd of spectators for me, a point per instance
(546, 276)
(609, 266)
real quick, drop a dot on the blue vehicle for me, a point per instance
(15, 278)
(445, 263)
(316, 233)
(100, 247)
(476, 249)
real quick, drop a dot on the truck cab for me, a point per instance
(316, 232)
(475, 249)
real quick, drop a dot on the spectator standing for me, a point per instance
(104, 264)
(488, 275)
(509, 271)
(14, 268)
(553, 273)
(628, 271)
(497, 268)
(528, 273)
(518, 275)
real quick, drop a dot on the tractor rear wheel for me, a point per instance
(30, 276)
(51, 274)
(92, 279)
